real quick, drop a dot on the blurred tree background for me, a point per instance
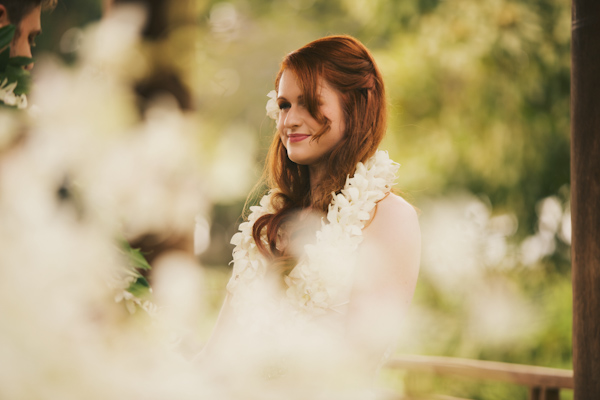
(479, 120)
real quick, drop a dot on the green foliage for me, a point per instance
(6, 34)
(136, 258)
(11, 68)
(137, 262)
(139, 288)
(13, 72)
(480, 87)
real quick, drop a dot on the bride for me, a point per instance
(326, 265)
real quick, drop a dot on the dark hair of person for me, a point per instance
(17, 9)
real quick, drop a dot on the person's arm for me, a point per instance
(385, 280)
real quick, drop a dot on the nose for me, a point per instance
(292, 117)
(26, 52)
(20, 47)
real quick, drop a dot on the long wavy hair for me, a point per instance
(348, 66)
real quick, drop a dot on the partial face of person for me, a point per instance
(297, 127)
(26, 32)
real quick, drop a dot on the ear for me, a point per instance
(3, 16)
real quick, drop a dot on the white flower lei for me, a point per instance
(322, 279)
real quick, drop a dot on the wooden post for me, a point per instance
(535, 393)
(541, 393)
(551, 394)
(585, 196)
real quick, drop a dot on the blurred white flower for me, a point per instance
(232, 168)
(536, 247)
(272, 106)
(550, 214)
(201, 235)
(8, 96)
(499, 315)
(565, 225)
(178, 282)
(9, 127)
(553, 222)
(88, 170)
(111, 45)
(224, 21)
(461, 239)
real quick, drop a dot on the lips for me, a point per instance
(296, 137)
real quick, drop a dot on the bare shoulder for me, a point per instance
(391, 250)
(395, 220)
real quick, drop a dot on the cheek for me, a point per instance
(281, 136)
(340, 127)
(18, 46)
(342, 123)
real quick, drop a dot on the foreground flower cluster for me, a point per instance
(80, 172)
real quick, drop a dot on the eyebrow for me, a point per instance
(301, 97)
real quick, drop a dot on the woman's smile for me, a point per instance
(296, 137)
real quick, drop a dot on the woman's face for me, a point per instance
(297, 127)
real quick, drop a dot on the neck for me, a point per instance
(316, 174)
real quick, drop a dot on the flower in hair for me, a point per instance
(272, 106)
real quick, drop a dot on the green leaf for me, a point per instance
(20, 61)
(138, 260)
(135, 256)
(19, 75)
(142, 282)
(4, 56)
(6, 34)
(140, 288)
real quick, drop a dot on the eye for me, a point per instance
(31, 40)
(284, 105)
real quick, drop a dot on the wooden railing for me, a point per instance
(543, 383)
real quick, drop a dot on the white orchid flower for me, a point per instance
(272, 106)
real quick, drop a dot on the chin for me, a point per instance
(300, 159)
(295, 156)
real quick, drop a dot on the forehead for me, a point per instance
(289, 86)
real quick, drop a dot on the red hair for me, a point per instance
(347, 66)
